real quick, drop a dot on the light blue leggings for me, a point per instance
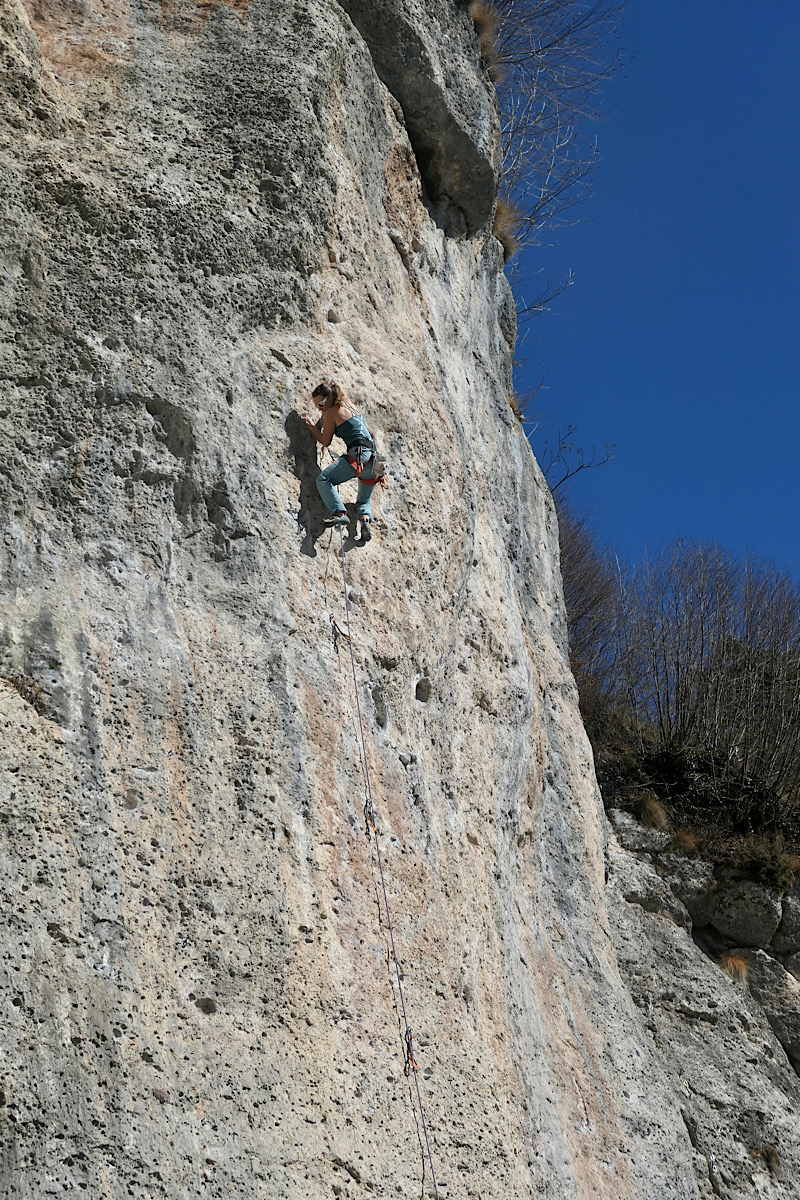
(339, 472)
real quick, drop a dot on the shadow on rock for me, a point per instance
(312, 514)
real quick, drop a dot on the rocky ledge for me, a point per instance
(712, 963)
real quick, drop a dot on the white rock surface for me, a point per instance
(787, 936)
(639, 883)
(745, 912)
(635, 836)
(778, 993)
(692, 881)
(207, 208)
(730, 1075)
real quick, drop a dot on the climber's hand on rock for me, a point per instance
(312, 427)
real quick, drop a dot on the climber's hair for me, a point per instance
(329, 388)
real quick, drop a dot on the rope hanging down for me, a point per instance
(410, 1065)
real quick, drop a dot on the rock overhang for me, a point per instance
(451, 115)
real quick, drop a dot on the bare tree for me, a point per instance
(590, 576)
(709, 652)
(551, 58)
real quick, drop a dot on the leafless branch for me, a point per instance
(554, 56)
(542, 302)
(563, 459)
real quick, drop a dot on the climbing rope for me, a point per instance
(410, 1067)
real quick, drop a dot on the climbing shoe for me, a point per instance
(366, 531)
(338, 520)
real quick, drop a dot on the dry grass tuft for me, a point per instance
(504, 227)
(651, 813)
(516, 404)
(32, 693)
(485, 18)
(769, 1155)
(686, 841)
(736, 966)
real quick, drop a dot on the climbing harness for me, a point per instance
(365, 454)
(410, 1067)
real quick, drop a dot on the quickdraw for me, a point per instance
(338, 633)
(409, 1065)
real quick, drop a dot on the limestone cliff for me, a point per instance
(207, 208)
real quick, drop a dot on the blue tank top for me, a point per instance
(353, 430)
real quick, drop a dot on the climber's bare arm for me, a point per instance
(322, 430)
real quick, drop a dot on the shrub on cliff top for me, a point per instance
(703, 654)
(552, 57)
(687, 842)
(709, 652)
(766, 861)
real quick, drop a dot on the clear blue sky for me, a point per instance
(680, 338)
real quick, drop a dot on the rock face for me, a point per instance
(734, 1087)
(428, 62)
(745, 913)
(787, 937)
(730, 1026)
(778, 993)
(207, 208)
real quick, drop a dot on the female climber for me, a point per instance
(339, 417)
